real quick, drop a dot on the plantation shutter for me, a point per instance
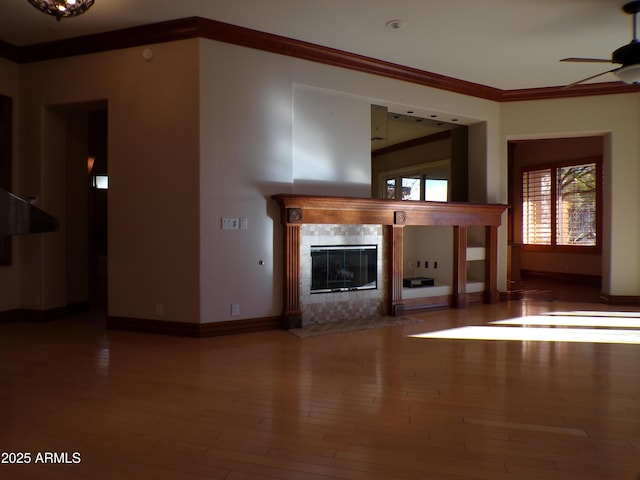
(536, 207)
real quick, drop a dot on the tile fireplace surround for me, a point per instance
(327, 216)
(328, 307)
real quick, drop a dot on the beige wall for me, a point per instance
(153, 168)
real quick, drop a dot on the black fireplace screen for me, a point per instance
(342, 268)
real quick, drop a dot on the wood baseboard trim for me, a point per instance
(143, 325)
(425, 303)
(48, 315)
(193, 330)
(234, 327)
(565, 277)
(622, 300)
(10, 316)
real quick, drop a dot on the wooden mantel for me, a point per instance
(393, 215)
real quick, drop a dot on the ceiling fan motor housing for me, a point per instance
(628, 54)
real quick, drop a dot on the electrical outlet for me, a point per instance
(159, 310)
(235, 309)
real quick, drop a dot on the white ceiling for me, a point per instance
(506, 44)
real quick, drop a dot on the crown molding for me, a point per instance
(224, 32)
(197, 27)
(582, 90)
(8, 51)
(114, 40)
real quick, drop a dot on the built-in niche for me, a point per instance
(424, 159)
(428, 264)
(414, 158)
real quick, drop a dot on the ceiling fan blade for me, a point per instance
(591, 77)
(586, 60)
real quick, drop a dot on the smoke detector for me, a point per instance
(394, 24)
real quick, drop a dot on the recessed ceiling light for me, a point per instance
(394, 24)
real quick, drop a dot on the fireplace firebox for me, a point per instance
(342, 268)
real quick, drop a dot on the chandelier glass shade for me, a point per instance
(62, 8)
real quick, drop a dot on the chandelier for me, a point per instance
(62, 8)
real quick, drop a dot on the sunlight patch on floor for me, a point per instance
(584, 327)
(572, 321)
(596, 313)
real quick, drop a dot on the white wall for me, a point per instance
(331, 143)
(429, 244)
(245, 157)
(616, 117)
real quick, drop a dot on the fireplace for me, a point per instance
(315, 220)
(346, 294)
(343, 268)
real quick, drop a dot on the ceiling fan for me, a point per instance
(628, 55)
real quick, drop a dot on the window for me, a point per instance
(420, 182)
(411, 188)
(390, 189)
(101, 182)
(436, 189)
(417, 187)
(560, 206)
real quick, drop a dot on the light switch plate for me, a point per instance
(230, 223)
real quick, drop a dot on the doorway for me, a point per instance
(555, 218)
(97, 212)
(78, 140)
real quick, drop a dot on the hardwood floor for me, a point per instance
(537, 287)
(374, 404)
